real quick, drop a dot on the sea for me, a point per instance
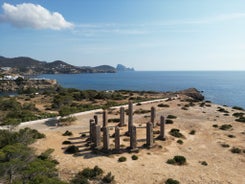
(221, 87)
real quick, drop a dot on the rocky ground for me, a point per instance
(207, 144)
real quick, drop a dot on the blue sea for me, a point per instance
(224, 88)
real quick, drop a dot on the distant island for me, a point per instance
(29, 66)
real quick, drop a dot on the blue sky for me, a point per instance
(144, 34)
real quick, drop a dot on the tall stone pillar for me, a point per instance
(153, 115)
(106, 138)
(91, 130)
(162, 128)
(122, 119)
(133, 138)
(117, 139)
(96, 119)
(97, 137)
(105, 121)
(130, 116)
(149, 134)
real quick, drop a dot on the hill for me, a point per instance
(122, 68)
(29, 66)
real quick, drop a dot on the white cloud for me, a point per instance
(33, 16)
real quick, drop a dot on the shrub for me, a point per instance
(224, 145)
(231, 136)
(225, 127)
(238, 108)
(171, 117)
(175, 132)
(192, 132)
(215, 126)
(171, 161)
(204, 163)
(122, 159)
(238, 114)
(180, 160)
(67, 133)
(66, 142)
(240, 119)
(141, 111)
(114, 120)
(163, 105)
(171, 181)
(92, 173)
(109, 178)
(71, 149)
(169, 121)
(134, 157)
(236, 150)
(220, 109)
(45, 155)
(184, 108)
(179, 141)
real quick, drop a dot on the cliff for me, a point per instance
(122, 68)
(21, 85)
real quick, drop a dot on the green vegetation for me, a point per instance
(176, 133)
(236, 150)
(134, 157)
(238, 108)
(171, 117)
(141, 111)
(19, 164)
(179, 141)
(169, 121)
(215, 126)
(163, 105)
(177, 160)
(66, 142)
(224, 145)
(204, 163)
(171, 181)
(114, 120)
(220, 109)
(72, 149)
(225, 127)
(122, 159)
(67, 133)
(95, 174)
(192, 132)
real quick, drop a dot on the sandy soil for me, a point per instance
(151, 167)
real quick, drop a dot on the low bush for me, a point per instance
(177, 160)
(67, 133)
(66, 142)
(224, 145)
(192, 132)
(114, 120)
(236, 150)
(231, 136)
(109, 178)
(179, 141)
(163, 105)
(171, 117)
(176, 133)
(220, 109)
(71, 149)
(225, 127)
(238, 108)
(122, 159)
(134, 157)
(141, 111)
(238, 114)
(171, 181)
(169, 121)
(240, 119)
(215, 126)
(204, 163)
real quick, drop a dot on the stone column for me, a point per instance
(96, 119)
(122, 119)
(97, 140)
(91, 130)
(133, 138)
(162, 128)
(153, 115)
(105, 121)
(117, 139)
(130, 116)
(106, 138)
(149, 134)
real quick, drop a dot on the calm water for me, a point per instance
(225, 88)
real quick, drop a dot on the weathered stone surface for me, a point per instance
(106, 138)
(162, 128)
(117, 139)
(133, 138)
(153, 115)
(149, 134)
(91, 130)
(96, 119)
(122, 117)
(97, 137)
(105, 120)
(130, 116)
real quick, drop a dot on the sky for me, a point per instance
(149, 35)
